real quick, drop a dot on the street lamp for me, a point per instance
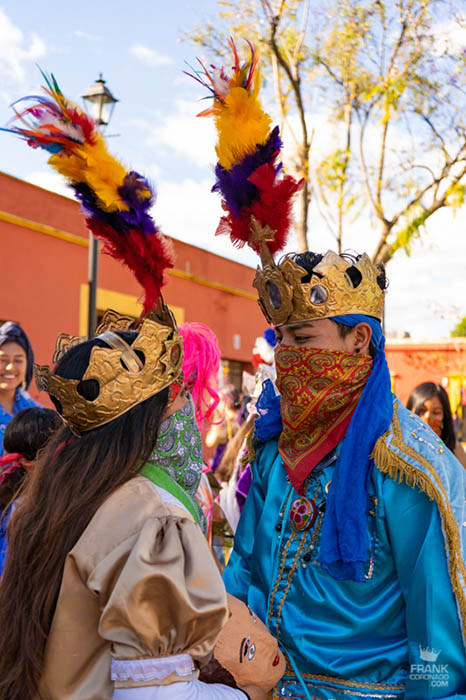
(99, 104)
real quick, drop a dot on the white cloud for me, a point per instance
(427, 288)
(187, 210)
(192, 139)
(450, 36)
(15, 50)
(152, 171)
(86, 35)
(49, 181)
(149, 56)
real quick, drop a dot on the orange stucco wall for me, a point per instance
(412, 363)
(41, 277)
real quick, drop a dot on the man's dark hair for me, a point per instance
(310, 260)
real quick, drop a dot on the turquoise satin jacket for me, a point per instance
(400, 634)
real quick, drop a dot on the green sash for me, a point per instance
(160, 478)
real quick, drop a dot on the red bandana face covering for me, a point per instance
(319, 391)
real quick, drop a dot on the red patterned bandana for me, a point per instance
(319, 391)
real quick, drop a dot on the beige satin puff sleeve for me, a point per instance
(165, 597)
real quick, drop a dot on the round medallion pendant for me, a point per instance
(303, 513)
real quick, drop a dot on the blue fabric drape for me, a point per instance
(344, 547)
(268, 423)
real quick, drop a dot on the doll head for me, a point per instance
(247, 650)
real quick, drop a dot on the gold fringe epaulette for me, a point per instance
(426, 479)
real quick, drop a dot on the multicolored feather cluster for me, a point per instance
(249, 175)
(116, 202)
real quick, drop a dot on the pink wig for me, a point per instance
(201, 362)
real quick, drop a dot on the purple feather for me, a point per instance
(234, 186)
(122, 221)
(138, 216)
(92, 207)
(133, 191)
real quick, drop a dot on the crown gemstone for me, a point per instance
(274, 295)
(318, 295)
(175, 354)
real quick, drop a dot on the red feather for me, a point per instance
(147, 256)
(85, 122)
(273, 208)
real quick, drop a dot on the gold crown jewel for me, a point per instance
(124, 378)
(285, 299)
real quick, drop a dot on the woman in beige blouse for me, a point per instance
(109, 590)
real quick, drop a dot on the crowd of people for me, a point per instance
(321, 554)
(105, 519)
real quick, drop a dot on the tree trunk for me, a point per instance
(383, 250)
(301, 223)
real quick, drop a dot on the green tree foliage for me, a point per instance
(390, 77)
(459, 331)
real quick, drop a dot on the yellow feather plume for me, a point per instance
(241, 123)
(93, 164)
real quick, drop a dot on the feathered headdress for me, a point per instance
(116, 202)
(256, 196)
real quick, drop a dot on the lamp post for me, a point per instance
(99, 103)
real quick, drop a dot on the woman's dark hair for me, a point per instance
(310, 260)
(73, 477)
(422, 393)
(26, 434)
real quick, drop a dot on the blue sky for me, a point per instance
(139, 53)
(137, 47)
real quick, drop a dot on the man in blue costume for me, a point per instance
(351, 545)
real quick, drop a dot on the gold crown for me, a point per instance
(285, 299)
(124, 379)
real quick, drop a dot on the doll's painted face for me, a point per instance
(247, 649)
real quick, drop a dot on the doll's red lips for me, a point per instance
(276, 660)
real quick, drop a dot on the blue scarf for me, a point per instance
(268, 423)
(345, 544)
